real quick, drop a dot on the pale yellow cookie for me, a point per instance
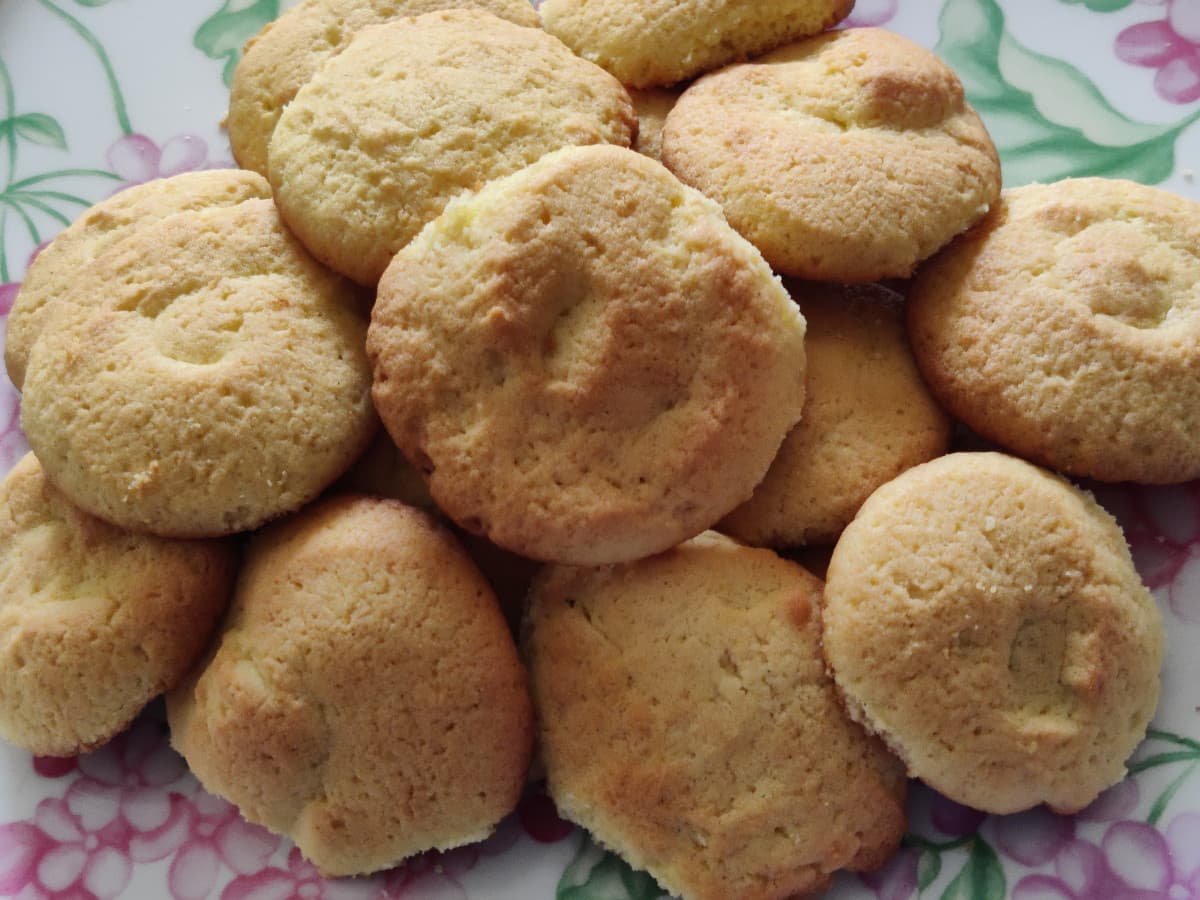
(94, 621)
(868, 416)
(846, 157)
(651, 106)
(686, 719)
(584, 360)
(281, 58)
(218, 380)
(985, 618)
(98, 228)
(1066, 328)
(365, 698)
(650, 43)
(418, 111)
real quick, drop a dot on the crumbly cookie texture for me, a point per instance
(365, 698)
(1066, 328)
(686, 719)
(848, 157)
(97, 229)
(653, 43)
(868, 416)
(219, 380)
(418, 111)
(1004, 602)
(585, 361)
(94, 621)
(651, 106)
(281, 58)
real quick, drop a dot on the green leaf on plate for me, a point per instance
(1048, 119)
(223, 34)
(91, 2)
(37, 128)
(981, 877)
(595, 874)
(1102, 5)
(929, 867)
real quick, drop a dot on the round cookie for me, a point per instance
(1066, 328)
(847, 157)
(686, 719)
(868, 416)
(365, 698)
(584, 360)
(418, 111)
(98, 228)
(94, 621)
(281, 58)
(1006, 603)
(218, 380)
(660, 42)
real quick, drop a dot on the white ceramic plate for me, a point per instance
(99, 94)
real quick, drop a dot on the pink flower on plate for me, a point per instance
(137, 159)
(435, 875)
(299, 881)
(122, 792)
(871, 13)
(55, 856)
(1162, 525)
(213, 833)
(1132, 862)
(1171, 46)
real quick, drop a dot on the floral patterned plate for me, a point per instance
(96, 95)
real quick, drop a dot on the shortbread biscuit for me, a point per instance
(365, 698)
(660, 42)
(847, 157)
(219, 379)
(985, 618)
(686, 719)
(281, 58)
(651, 106)
(584, 360)
(98, 228)
(94, 621)
(418, 111)
(868, 416)
(1066, 328)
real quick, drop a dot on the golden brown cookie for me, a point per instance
(94, 621)
(97, 229)
(281, 58)
(218, 380)
(659, 42)
(365, 698)
(418, 111)
(686, 719)
(584, 360)
(868, 416)
(651, 106)
(846, 157)
(985, 618)
(1066, 328)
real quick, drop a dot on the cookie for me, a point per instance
(651, 106)
(686, 719)
(219, 379)
(365, 698)
(418, 111)
(1066, 328)
(583, 359)
(98, 228)
(868, 416)
(660, 42)
(281, 58)
(847, 157)
(1005, 602)
(94, 621)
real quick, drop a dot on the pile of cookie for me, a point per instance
(545, 251)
